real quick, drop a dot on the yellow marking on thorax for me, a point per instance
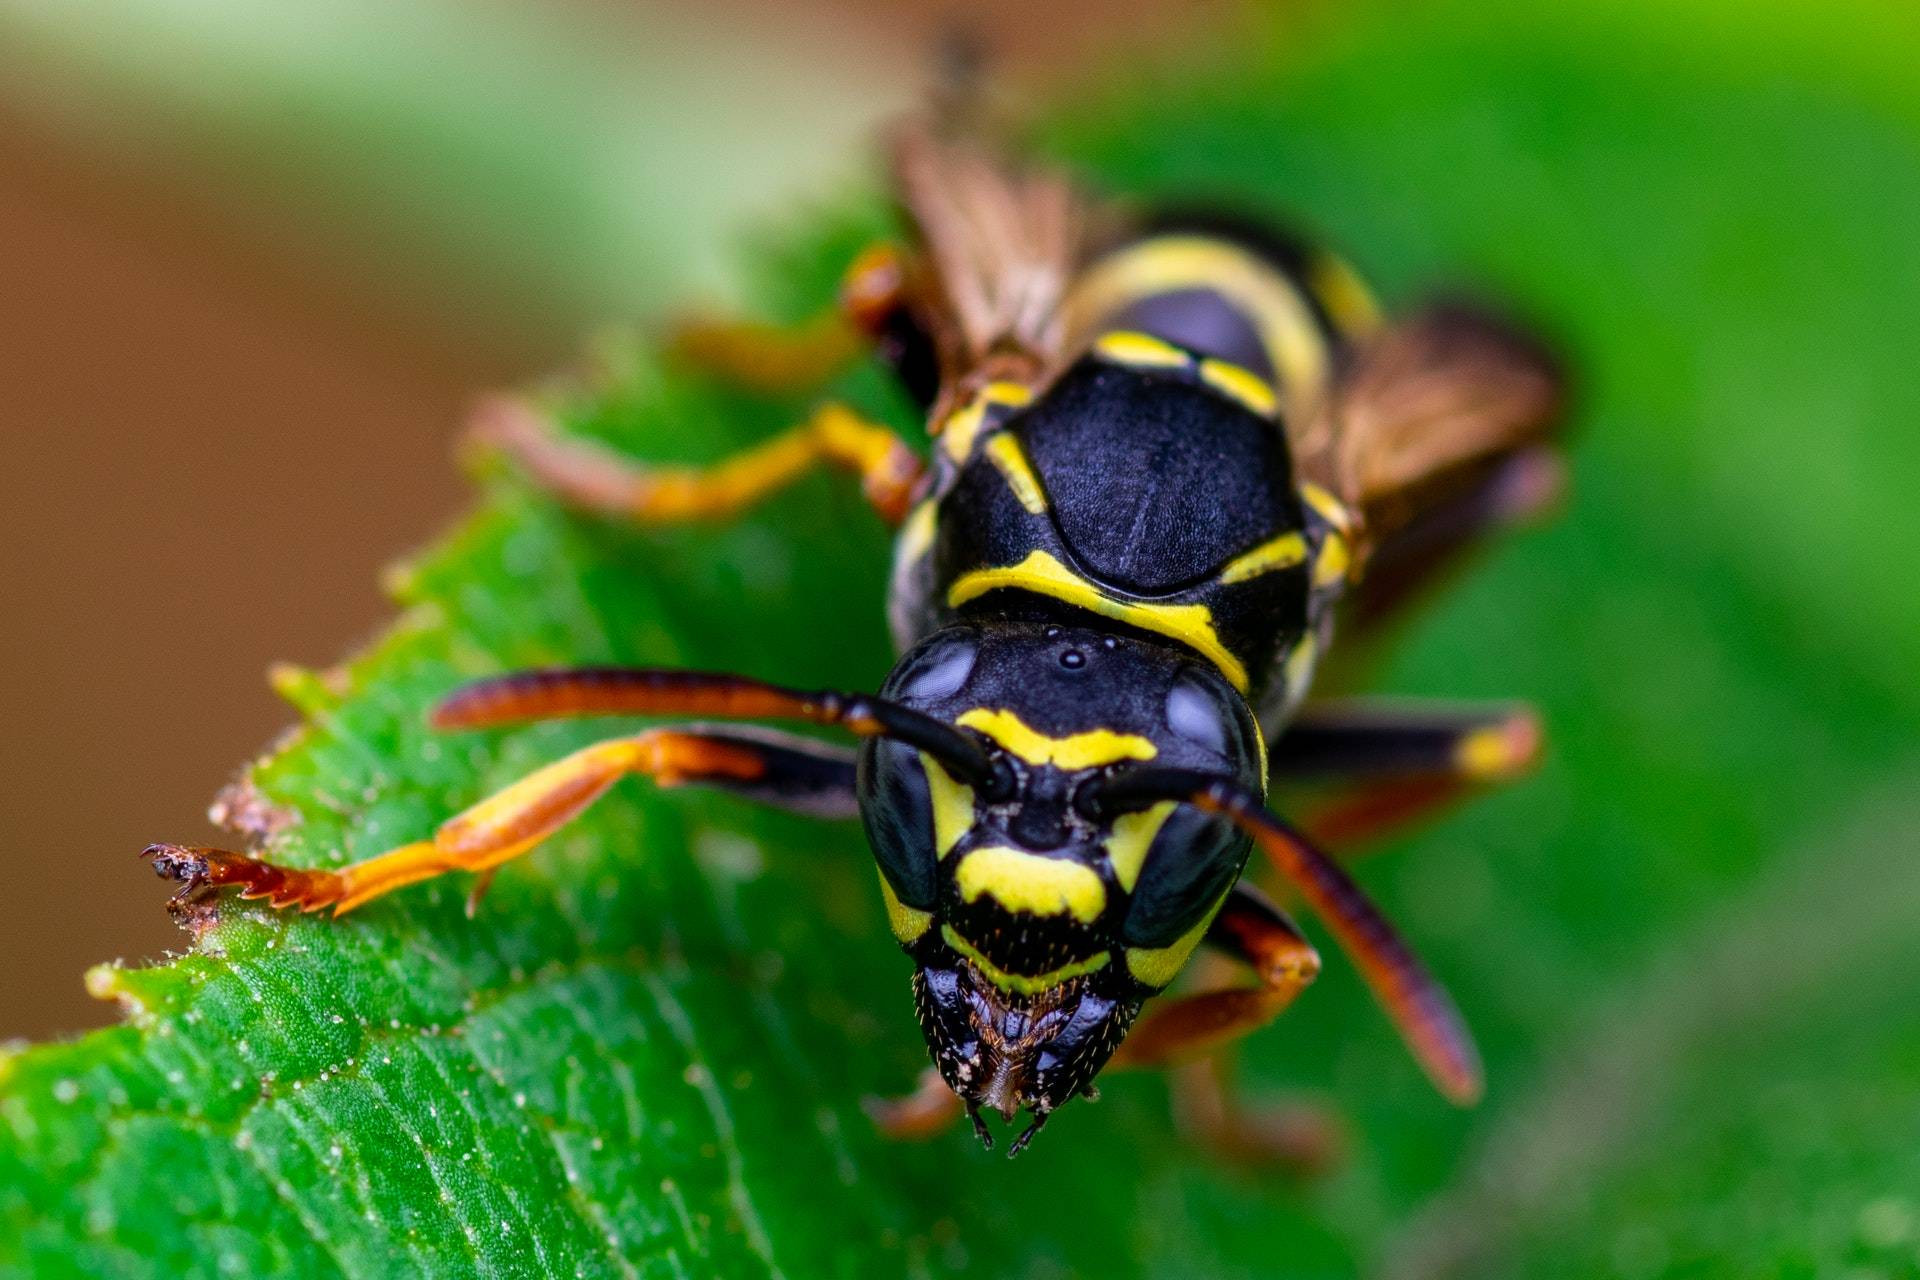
(1243, 385)
(1157, 966)
(1331, 565)
(907, 923)
(1042, 574)
(952, 805)
(1007, 395)
(1283, 552)
(1020, 982)
(1077, 751)
(1131, 836)
(916, 532)
(962, 427)
(1330, 508)
(1004, 452)
(1029, 884)
(1140, 351)
(1295, 346)
(1298, 672)
(1345, 296)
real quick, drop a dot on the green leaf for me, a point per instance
(1686, 944)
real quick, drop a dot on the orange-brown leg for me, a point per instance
(1418, 1005)
(795, 359)
(771, 359)
(514, 820)
(1395, 763)
(1300, 1135)
(592, 477)
(927, 1112)
(1195, 1037)
(1256, 933)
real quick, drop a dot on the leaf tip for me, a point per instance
(108, 982)
(310, 692)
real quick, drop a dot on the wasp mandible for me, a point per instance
(1167, 450)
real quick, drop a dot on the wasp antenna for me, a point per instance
(1416, 1002)
(561, 693)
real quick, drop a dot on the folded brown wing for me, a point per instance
(1424, 412)
(1001, 246)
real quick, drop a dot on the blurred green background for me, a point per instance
(257, 260)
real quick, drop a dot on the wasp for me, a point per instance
(1167, 451)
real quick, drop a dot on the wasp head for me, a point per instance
(1039, 925)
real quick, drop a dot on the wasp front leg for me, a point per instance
(1194, 1035)
(593, 478)
(792, 773)
(929, 1111)
(1254, 932)
(1399, 762)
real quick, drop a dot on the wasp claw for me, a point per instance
(980, 1129)
(199, 868)
(1026, 1136)
(177, 862)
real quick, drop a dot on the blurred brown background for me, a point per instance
(233, 356)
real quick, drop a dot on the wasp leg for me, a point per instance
(767, 358)
(1195, 1036)
(927, 1112)
(795, 359)
(591, 477)
(1400, 762)
(1256, 933)
(789, 772)
(1300, 1135)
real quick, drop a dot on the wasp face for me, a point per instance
(1038, 926)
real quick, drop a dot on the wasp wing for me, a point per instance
(1427, 410)
(1441, 431)
(1001, 246)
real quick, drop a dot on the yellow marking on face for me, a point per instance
(1042, 574)
(1029, 884)
(1331, 565)
(1345, 296)
(1132, 835)
(1020, 982)
(1140, 351)
(1157, 966)
(907, 923)
(952, 805)
(1294, 344)
(916, 532)
(1249, 388)
(1331, 509)
(1087, 750)
(1004, 452)
(1283, 552)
